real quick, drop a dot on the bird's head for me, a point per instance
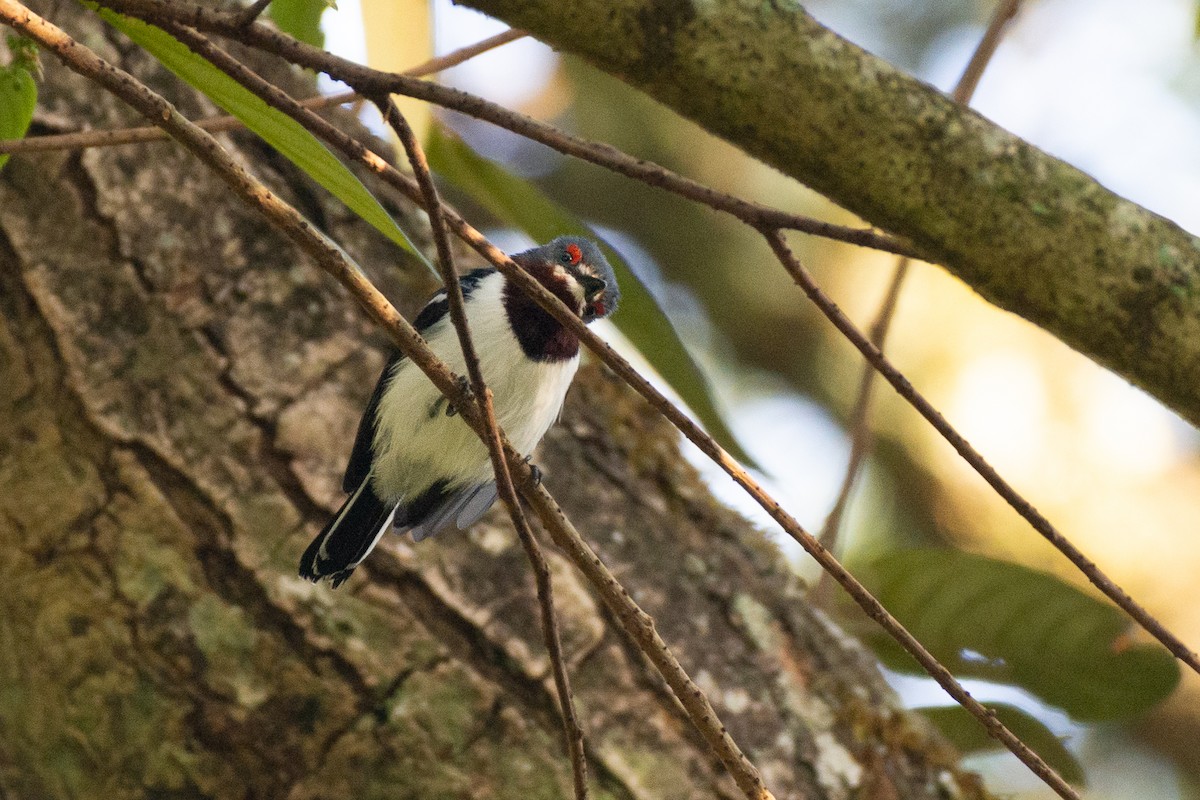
(574, 267)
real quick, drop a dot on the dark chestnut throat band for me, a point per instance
(541, 336)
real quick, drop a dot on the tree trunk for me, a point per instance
(178, 393)
(1028, 232)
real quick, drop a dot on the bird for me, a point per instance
(415, 465)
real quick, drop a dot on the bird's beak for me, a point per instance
(592, 286)
(593, 293)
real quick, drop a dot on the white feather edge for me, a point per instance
(323, 554)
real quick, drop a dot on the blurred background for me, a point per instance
(1111, 87)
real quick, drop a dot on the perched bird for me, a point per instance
(415, 464)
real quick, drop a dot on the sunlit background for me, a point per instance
(1112, 87)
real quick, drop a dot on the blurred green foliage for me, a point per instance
(991, 619)
(965, 732)
(18, 90)
(300, 18)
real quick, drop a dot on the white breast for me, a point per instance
(416, 444)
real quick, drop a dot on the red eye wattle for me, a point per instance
(574, 253)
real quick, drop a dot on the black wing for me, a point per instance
(434, 312)
(360, 456)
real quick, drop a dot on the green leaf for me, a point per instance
(521, 204)
(300, 18)
(18, 93)
(966, 734)
(276, 128)
(1005, 622)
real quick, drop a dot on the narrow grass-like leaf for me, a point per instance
(18, 92)
(966, 734)
(519, 203)
(276, 128)
(993, 619)
(300, 18)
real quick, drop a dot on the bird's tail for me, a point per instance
(348, 538)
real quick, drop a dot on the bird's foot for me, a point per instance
(464, 388)
(534, 471)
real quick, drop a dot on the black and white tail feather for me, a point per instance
(364, 518)
(348, 538)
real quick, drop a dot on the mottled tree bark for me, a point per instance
(1028, 232)
(178, 391)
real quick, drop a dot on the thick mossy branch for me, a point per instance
(1031, 234)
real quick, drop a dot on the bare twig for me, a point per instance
(465, 53)
(572, 730)
(639, 626)
(150, 133)
(1005, 12)
(860, 431)
(147, 133)
(253, 11)
(872, 607)
(1022, 506)
(329, 257)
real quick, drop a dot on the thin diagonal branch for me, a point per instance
(1022, 506)
(465, 53)
(150, 133)
(968, 82)
(572, 731)
(146, 133)
(648, 172)
(860, 430)
(636, 622)
(927, 661)
(253, 11)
